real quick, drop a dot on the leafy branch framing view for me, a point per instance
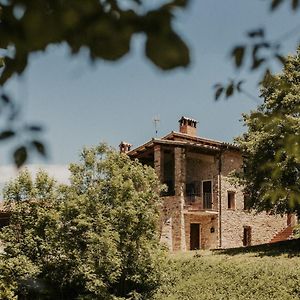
(106, 28)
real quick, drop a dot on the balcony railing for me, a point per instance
(207, 201)
(195, 202)
(193, 190)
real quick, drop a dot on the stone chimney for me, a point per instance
(188, 126)
(124, 147)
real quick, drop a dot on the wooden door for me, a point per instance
(195, 237)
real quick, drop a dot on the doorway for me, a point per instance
(195, 237)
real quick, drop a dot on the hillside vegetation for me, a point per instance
(261, 272)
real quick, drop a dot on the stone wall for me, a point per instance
(171, 223)
(208, 230)
(200, 167)
(176, 222)
(263, 226)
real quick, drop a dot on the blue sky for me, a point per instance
(82, 104)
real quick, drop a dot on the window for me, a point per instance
(231, 200)
(207, 194)
(247, 236)
(246, 202)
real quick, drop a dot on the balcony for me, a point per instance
(199, 203)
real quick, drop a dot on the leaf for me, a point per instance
(176, 3)
(280, 58)
(295, 4)
(267, 78)
(275, 4)
(257, 62)
(256, 33)
(20, 156)
(6, 134)
(2, 62)
(218, 93)
(239, 85)
(39, 147)
(34, 128)
(5, 98)
(238, 53)
(229, 90)
(167, 51)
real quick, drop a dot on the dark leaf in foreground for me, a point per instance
(256, 33)
(167, 51)
(229, 90)
(219, 92)
(275, 4)
(5, 98)
(20, 156)
(2, 63)
(238, 54)
(295, 4)
(6, 134)
(35, 128)
(257, 62)
(239, 85)
(39, 147)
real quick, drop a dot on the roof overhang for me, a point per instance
(177, 139)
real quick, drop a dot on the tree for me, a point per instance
(105, 28)
(271, 145)
(94, 239)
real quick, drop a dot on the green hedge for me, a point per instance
(242, 276)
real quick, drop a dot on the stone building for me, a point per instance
(201, 208)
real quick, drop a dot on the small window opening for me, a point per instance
(247, 236)
(231, 200)
(246, 202)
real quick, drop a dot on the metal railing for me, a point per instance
(207, 200)
(193, 190)
(198, 202)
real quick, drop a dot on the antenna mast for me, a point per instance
(156, 121)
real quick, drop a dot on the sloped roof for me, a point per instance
(182, 139)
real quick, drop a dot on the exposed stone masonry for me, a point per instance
(187, 165)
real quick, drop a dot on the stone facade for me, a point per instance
(202, 209)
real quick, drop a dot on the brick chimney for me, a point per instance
(124, 147)
(188, 126)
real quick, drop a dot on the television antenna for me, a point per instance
(156, 121)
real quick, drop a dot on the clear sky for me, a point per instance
(82, 104)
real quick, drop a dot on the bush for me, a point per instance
(240, 277)
(93, 239)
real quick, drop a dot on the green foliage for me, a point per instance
(276, 3)
(296, 231)
(94, 239)
(105, 28)
(257, 53)
(243, 277)
(271, 146)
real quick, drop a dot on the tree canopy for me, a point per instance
(271, 145)
(93, 239)
(104, 27)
